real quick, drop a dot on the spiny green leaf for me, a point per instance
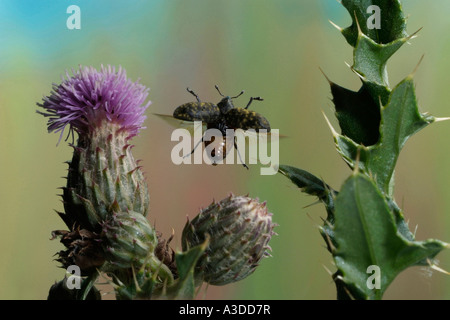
(370, 59)
(184, 286)
(393, 23)
(312, 185)
(400, 119)
(358, 114)
(308, 182)
(366, 234)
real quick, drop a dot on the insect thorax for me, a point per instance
(225, 105)
(219, 125)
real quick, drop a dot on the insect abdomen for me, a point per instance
(197, 111)
(244, 119)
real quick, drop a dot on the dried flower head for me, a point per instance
(90, 97)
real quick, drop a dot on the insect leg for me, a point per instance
(193, 93)
(251, 100)
(239, 154)
(188, 155)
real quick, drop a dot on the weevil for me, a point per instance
(222, 116)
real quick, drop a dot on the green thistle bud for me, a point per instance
(239, 229)
(128, 240)
(103, 178)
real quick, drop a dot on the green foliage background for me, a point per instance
(269, 48)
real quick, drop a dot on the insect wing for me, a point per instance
(239, 118)
(197, 111)
(177, 123)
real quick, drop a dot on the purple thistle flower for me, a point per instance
(89, 97)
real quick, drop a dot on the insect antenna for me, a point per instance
(240, 94)
(193, 93)
(217, 88)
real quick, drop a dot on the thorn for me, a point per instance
(312, 204)
(414, 35)
(328, 223)
(356, 167)
(346, 290)
(381, 104)
(134, 170)
(358, 74)
(335, 25)
(435, 267)
(335, 134)
(330, 244)
(415, 69)
(441, 119)
(357, 23)
(327, 270)
(326, 77)
(310, 218)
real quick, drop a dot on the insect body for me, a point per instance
(222, 116)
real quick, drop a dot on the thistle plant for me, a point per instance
(106, 203)
(365, 230)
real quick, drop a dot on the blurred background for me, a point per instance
(269, 48)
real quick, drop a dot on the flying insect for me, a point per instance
(222, 116)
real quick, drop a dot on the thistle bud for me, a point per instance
(103, 178)
(128, 240)
(239, 229)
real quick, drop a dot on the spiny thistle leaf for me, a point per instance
(358, 114)
(364, 226)
(308, 182)
(366, 234)
(184, 286)
(393, 22)
(400, 119)
(370, 58)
